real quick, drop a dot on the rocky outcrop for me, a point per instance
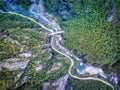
(62, 8)
(38, 67)
(110, 12)
(115, 78)
(22, 78)
(55, 67)
(38, 8)
(58, 84)
(14, 64)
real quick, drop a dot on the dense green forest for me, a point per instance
(90, 33)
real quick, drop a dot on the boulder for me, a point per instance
(58, 84)
(110, 12)
(14, 64)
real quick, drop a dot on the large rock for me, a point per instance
(110, 11)
(115, 78)
(38, 67)
(62, 8)
(14, 64)
(58, 84)
(38, 8)
(55, 67)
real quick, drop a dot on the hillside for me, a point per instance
(27, 60)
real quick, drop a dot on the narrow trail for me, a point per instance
(53, 47)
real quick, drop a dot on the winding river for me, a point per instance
(53, 44)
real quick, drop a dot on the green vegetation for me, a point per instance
(112, 67)
(17, 32)
(6, 48)
(87, 85)
(91, 34)
(84, 34)
(38, 79)
(17, 29)
(6, 78)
